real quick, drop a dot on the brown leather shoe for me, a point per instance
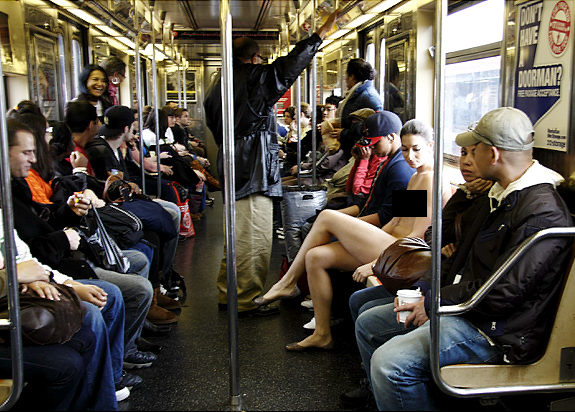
(168, 303)
(161, 316)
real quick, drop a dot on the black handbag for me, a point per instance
(101, 249)
(45, 321)
(122, 225)
(403, 263)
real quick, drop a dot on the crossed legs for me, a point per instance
(358, 243)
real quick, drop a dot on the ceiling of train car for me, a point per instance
(193, 20)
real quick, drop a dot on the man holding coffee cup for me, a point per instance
(512, 323)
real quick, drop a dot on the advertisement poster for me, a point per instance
(544, 75)
(284, 102)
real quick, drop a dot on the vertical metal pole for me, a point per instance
(185, 86)
(10, 257)
(227, 82)
(179, 86)
(156, 100)
(440, 16)
(313, 101)
(298, 107)
(139, 99)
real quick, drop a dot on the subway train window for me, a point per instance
(474, 26)
(471, 89)
(76, 66)
(473, 66)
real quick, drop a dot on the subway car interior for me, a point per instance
(445, 63)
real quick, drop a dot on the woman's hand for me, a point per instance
(73, 238)
(167, 170)
(165, 155)
(448, 250)
(365, 152)
(91, 293)
(31, 271)
(363, 272)
(41, 288)
(417, 317)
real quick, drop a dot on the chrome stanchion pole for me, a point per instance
(298, 107)
(313, 102)
(138, 71)
(10, 258)
(156, 101)
(227, 82)
(440, 15)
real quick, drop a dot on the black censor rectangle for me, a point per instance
(409, 203)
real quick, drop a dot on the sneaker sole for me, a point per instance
(122, 394)
(137, 365)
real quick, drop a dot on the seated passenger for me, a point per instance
(93, 349)
(61, 147)
(105, 156)
(359, 243)
(329, 161)
(462, 217)
(512, 323)
(46, 229)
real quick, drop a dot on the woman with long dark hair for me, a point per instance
(94, 88)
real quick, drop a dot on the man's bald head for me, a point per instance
(245, 49)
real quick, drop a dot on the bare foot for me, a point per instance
(312, 342)
(280, 290)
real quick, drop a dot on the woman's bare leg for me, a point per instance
(359, 238)
(346, 255)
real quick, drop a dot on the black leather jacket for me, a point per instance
(256, 89)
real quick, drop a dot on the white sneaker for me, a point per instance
(310, 324)
(308, 303)
(333, 322)
(122, 394)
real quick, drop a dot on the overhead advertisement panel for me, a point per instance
(543, 77)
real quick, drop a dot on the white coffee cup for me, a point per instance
(405, 296)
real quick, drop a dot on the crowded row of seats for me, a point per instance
(70, 178)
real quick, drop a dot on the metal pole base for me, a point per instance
(235, 403)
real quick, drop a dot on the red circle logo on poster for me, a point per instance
(559, 27)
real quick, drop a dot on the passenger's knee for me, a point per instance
(314, 258)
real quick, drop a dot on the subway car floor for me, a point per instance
(192, 372)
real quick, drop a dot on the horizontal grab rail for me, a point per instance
(523, 248)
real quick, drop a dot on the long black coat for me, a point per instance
(256, 89)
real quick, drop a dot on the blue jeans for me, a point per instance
(108, 327)
(139, 264)
(104, 362)
(53, 374)
(137, 293)
(399, 368)
(367, 298)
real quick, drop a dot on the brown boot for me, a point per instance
(168, 303)
(158, 315)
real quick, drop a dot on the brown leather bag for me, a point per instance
(403, 263)
(45, 321)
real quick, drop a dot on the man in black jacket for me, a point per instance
(512, 323)
(257, 88)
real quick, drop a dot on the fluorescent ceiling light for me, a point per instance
(64, 3)
(358, 21)
(338, 34)
(127, 42)
(383, 6)
(148, 51)
(87, 17)
(108, 30)
(116, 44)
